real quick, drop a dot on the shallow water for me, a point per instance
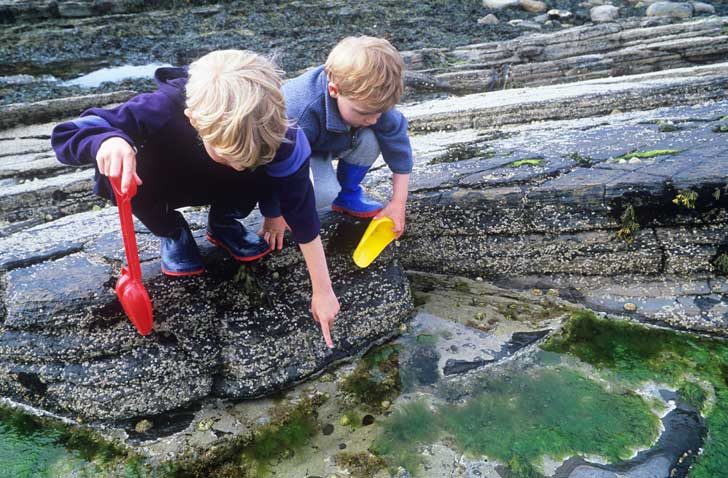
(118, 73)
(482, 398)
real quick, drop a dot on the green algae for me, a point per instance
(32, 446)
(462, 152)
(547, 412)
(360, 465)
(721, 264)
(376, 378)
(583, 161)
(526, 162)
(686, 198)
(649, 154)
(637, 354)
(290, 429)
(413, 424)
(630, 226)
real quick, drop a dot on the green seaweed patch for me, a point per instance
(462, 152)
(412, 425)
(80, 440)
(526, 162)
(580, 160)
(630, 226)
(721, 264)
(721, 128)
(639, 354)
(245, 456)
(426, 339)
(648, 154)
(360, 465)
(536, 414)
(376, 378)
(667, 127)
(692, 394)
(686, 198)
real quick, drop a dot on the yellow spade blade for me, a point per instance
(375, 239)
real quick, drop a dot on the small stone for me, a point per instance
(634, 161)
(630, 307)
(367, 420)
(670, 9)
(342, 446)
(489, 19)
(604, 13)
(143, 426)
(533, 6)
(403, 328)
(553, 292)
(556, 14)
(700, 7)
(327, 429)
(385, 404)
(536, 292)
(275, 275)
(500, 4)
(204, 424)
(344, 421)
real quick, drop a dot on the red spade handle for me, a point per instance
(123, 202)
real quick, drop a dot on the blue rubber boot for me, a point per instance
(179, 252)
(351, 199)
(226, 232)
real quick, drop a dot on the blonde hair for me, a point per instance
(367, 69)
(236, 105)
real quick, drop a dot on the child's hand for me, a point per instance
(273, 230)
(324, 307)
(396, 211)
(115, 158)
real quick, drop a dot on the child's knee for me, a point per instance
(365, 148)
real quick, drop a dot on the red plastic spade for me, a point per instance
(129, 288)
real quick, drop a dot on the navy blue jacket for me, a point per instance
(172, 161)
(308, 102)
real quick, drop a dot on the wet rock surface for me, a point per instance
(234, 332)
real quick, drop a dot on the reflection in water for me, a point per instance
(118, 73)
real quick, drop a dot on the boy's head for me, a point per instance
(365, 77)
(235, 103)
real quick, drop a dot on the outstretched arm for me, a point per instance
(324, 304)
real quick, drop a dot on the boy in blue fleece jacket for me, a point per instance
(346, 108)
(216, 134)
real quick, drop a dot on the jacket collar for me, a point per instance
(334, 122)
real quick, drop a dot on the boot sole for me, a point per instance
(360, 215)
(182, 274)
(237, 258)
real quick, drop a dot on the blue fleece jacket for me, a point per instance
(172, 161)
(308, 102)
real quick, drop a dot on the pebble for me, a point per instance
(327, 429)
(536, 292)
(489, 19)
(630, 307)
(143, 426)
(344, 420)
(386, 404)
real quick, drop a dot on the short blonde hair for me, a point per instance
(367, 69)
(236, 105)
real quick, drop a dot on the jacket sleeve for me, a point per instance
(391, 133)
(76, 142)
(289, 173)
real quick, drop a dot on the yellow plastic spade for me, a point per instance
(377, 236)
